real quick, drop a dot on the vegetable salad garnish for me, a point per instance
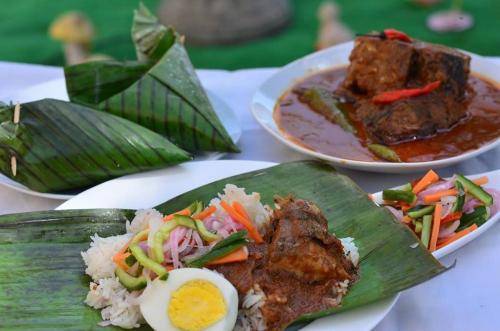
(441, 211)
(190, 237)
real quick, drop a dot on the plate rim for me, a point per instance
(385, 304)
(210, 156)
(372, 166)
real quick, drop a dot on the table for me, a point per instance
(464, 298)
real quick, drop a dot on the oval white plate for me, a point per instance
(155, 187)
(494, 182)
(56, 89)
(264, 100)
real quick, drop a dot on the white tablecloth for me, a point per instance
(466, 297)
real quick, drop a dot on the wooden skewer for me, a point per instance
(13, 165)
(17, 113)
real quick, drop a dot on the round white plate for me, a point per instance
(155, 187)
(264, 100)
(494, 182)
(56, 89)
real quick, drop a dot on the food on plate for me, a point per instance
(282, 264)
(160, 90)
(300, 268)
(440, 211)
(228, 238)
(399, 100)
(405, 89)
(52, 146)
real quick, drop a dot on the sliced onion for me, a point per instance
(447, 230)
(174, 248)
(396, 212)
(437, 187)
(470, 204)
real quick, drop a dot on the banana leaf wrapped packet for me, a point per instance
(53, 146)
(41, 250)
(159, 91)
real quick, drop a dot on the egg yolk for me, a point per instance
(196, 305)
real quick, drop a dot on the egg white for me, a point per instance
(156, 297)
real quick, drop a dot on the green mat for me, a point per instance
(25, 23)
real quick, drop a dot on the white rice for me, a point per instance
(249, 315)
(259, 213)
(143, 218)
(99, 257)
(350, 250)
(120, 306)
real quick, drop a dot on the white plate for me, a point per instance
(494, 182)
(158, 186)
(264, 100)
(56, 89)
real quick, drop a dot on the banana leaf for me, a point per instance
(42, 274)
(160, 91)
(58, 146)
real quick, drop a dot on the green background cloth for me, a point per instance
(24, 25)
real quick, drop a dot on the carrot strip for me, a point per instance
(119, 259)
(429, 178)
(452, 217)
(436, 196)
(481, 180)
(236, 256)
(252, 231)
(205, 213)
(457, 236)
(406, 219)
(185, 212)
(241, 210)
(436, 223)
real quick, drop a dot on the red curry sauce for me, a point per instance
(311, 130)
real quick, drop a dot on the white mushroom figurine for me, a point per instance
(331, 31)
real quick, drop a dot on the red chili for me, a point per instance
(452, 217)
(391, 96)
(396, 34)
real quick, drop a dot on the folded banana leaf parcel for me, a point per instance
(53, 146)
(44, 286)
(159, 91)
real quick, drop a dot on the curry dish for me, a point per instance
(445, 110)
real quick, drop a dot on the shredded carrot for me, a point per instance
(185, 212)
(457, 236)
(241, 210)
(436, 223)
(452, 217)
(436, 196)
(236, 256)
(119, 259)
(481, 180)
(205, 213)
(429, 178)
(247, 223)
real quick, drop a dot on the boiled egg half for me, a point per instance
(190, 299)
